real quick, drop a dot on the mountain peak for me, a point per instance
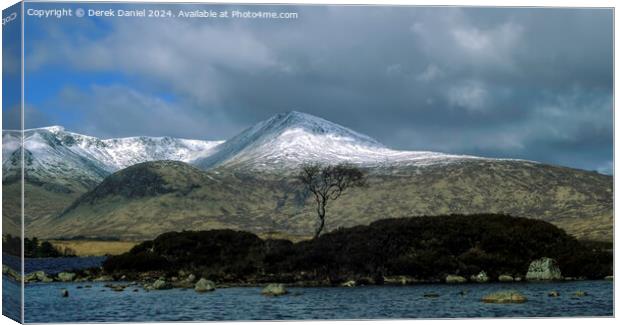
(294, 120)
(288, 137)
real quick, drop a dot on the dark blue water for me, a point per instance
(99, 304)
(11, 299)
(52, 265)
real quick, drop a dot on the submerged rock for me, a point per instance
(504, 297)
(274, 289)
(430, 295)
(544, 269)
(204, 285)
(116, 287)
(455, 279)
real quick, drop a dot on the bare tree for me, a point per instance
(327, 183)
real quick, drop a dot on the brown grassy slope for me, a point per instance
(163, 199)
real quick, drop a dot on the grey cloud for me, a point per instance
(120, 111)
(518, 82)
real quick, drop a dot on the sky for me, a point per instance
(522, 83)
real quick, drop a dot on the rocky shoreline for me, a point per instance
(403, 251)
(544, 269)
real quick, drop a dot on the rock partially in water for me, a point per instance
(481, 277)
(116, 287)
(37, 276)
(455, 279)
(64, 293)
(11, 273)
(103, 278)
(274, 289)
(544, 269)
(66, 276)
(430, 295)
(609, 278)
(399, 279)
(349, 284)
(580, 294)
(505, 278)
(204, 285)
(553, 293)
(161, 284)
(504, 297)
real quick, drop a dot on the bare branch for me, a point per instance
(328, 183)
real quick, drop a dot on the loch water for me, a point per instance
(44, 303)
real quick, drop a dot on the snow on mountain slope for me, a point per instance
(281, 142)
(289, 139)
(55, 155)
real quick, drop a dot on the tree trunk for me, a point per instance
(321, 213)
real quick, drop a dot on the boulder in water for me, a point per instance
(349, 284)
(481, 277)
(161, 284)
(544, 269)
(553, 293)
(505, 278)
(64, 293)
(66, 276)
(204, 285)
(455, 279)
(274, 289)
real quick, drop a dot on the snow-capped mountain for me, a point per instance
(290, 139)
(53, 154)
(282, 142)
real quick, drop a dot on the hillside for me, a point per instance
(59, 166)
(145, 200)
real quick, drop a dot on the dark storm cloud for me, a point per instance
(520, 83)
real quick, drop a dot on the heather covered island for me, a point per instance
(477, 248)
